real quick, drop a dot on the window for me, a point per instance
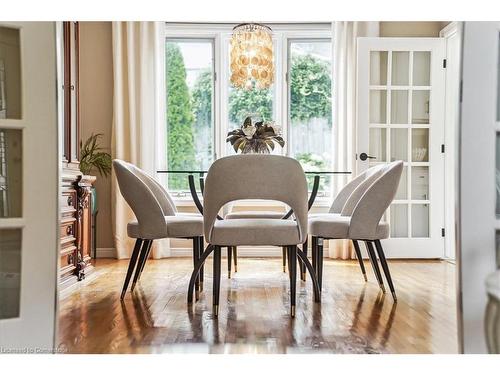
(190, 83)
(310, 106)
(202, 106)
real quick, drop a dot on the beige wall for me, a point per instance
(411, 29)
(96, 109)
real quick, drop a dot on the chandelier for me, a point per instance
(252, 56)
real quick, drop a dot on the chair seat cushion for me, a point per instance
(337, 226)
(254, 215)
(258, 232)
(178, 226)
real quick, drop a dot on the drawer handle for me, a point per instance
(69, 231)
(70, 259)
(70, 200)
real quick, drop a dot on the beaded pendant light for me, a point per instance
(252, 63)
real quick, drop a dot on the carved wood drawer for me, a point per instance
(68, 230)
(68, 201)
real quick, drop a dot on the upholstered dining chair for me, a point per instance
(360, 220)
(360, 183)
(367, 177)
(156, 217)
(232, 251)
(234, 178)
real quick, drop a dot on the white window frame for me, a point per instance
(283, 35)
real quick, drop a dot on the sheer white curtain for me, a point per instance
(345, 36)
(138, 106)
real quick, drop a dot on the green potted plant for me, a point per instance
(92, 157)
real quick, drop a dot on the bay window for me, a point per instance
(202, 106)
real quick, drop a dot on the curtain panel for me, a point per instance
(345, 35)
(138, 109)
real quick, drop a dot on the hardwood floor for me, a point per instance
(354, 317)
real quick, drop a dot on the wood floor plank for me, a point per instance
(353, 317)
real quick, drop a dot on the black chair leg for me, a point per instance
(385, 267)
(292, 266)
(145, 259)
(216, 281)
(360, 258)
(235, 258)
(314, 255)
(131, 265)
(200, 248)
(374, 262)
(192, 280)
(319, 262)
(146, 245)
(283, 250)
(229, 260)
(302, 264)
(196, 257)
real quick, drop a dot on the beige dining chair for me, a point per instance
(232, 251)
(234, 178)
(157, 218)
(359, 184)
(360, 220)
(335, 208)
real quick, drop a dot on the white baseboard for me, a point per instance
(106, 252)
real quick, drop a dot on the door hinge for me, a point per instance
(444, 63)
(461, 91)
(442, 148)
(442, 232)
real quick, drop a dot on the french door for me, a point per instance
(29, 162)
(400, 101)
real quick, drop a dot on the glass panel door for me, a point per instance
(397, 83)
(29, 219)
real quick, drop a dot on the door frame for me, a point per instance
(477, 222)
(452, 35)
(34, 330)
(397, 248)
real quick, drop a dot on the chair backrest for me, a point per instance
(271, 177)
(372, 205)
(166, 202)
(344, 194)
(369, 177)
(141, 200)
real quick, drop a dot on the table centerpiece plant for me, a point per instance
(255, 138)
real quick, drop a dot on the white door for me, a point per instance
(479, 171)
(29, 162)
(400, 101)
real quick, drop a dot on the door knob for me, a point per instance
(363, 156)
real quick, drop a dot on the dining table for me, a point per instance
(317, 175)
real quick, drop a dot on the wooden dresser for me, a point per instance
(76, 189)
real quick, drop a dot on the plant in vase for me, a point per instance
(255, 138)
(93, 158)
